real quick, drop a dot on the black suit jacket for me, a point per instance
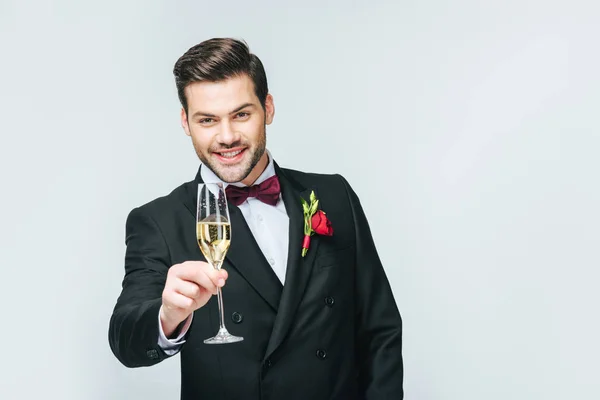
(332, 332)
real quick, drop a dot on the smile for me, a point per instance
(230, 157)
(230, 154)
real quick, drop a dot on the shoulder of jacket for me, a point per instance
(308, 178)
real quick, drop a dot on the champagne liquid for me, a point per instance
(214, 239)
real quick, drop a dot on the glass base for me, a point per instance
(223, 337)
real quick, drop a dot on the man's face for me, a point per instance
(227, 125)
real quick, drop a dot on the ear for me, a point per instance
(184, 122)
(269, 109)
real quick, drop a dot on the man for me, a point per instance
(318, 323)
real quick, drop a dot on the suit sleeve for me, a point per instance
(133, 330)
(378, 321)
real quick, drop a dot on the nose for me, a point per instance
(227, 134)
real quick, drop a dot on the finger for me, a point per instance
(187, 267)
(202, 274)
(178, 301)
(224, 273)
(187, 288)
(221, 276)
(213, 276)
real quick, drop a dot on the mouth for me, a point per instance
(230, 156)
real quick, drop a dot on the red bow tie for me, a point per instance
(267, 192)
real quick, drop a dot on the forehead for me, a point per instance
(220, 97)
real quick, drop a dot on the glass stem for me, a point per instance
(221, 311)
(221, 308)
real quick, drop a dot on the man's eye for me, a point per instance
(206, 121)
(242, 115)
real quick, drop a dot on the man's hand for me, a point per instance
(189, 286)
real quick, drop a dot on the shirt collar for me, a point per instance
(208, 176)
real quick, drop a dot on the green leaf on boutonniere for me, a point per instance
(313, 208)
(313, 198)
(304, 205)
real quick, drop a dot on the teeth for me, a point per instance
(231, 154)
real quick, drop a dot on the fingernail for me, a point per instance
(221, 282)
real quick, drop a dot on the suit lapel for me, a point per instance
(298, 268)
(244, 254)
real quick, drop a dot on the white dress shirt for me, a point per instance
(269, 226)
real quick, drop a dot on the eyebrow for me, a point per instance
(205, 114)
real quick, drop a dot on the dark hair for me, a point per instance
(216, 60)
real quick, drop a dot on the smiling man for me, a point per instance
(317, 314)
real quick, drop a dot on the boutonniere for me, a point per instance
(315, 221)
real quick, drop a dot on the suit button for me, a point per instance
(268, 363)
(329, 301)
(321, 354)
(237, 317)
(152, 354)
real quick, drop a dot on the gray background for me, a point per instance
(470, 130)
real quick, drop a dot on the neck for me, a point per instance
(258, 169)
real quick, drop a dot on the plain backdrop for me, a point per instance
(469, 129)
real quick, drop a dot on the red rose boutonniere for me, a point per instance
(315, 221)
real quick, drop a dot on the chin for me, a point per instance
(231, 175)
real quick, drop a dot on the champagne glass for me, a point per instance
(213, 231)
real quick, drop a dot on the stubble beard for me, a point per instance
(239, 172)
